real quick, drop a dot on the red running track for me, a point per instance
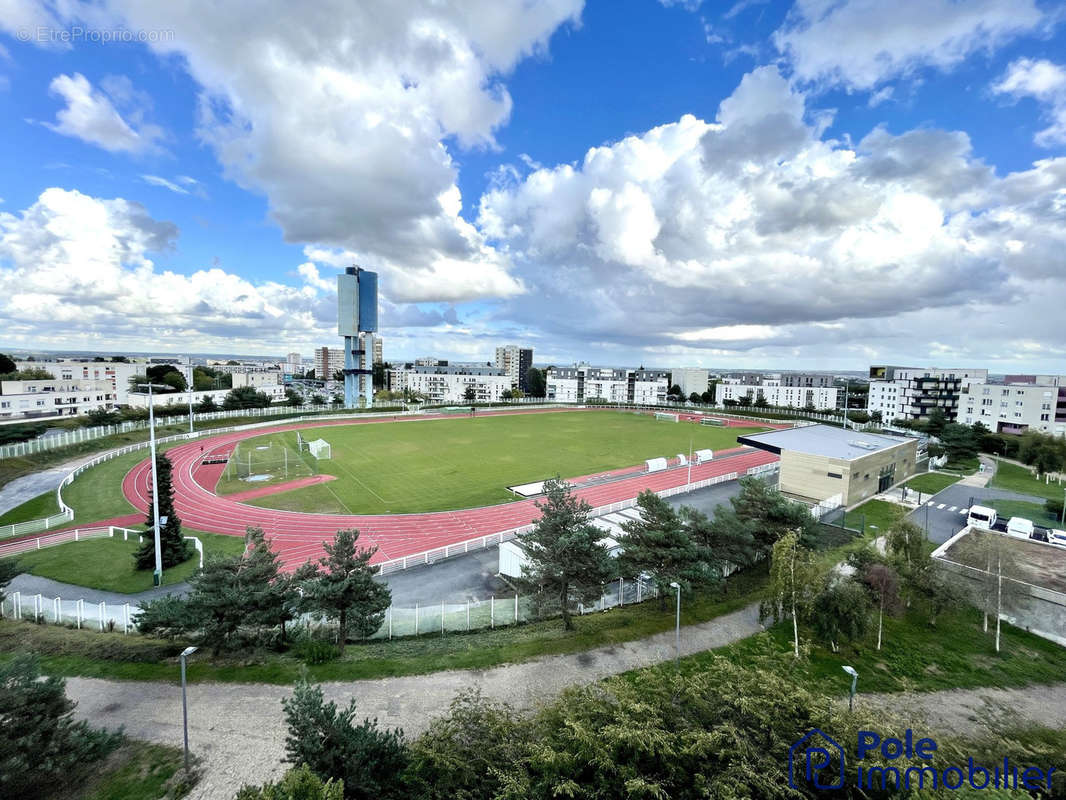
(298, 536)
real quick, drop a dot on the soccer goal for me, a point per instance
(718, 423)
(662, 415)
(320, 449)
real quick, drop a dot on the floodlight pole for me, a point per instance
(677, 626)
(188, 651)
(189, 389)
(689, 483)
(157, 576)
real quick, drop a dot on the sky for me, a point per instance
(819, 184)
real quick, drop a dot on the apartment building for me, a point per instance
(54, 398)
(117, 374)
(582, 382)
(327, 361)
(257, 380)
(775, 393)
(690, 379)
(449, 384)
(1016, 407)
(913, 392)
(515, 361)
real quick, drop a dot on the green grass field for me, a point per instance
(1035, 512)
(931, 482)
(442, 465)
(107, 564)
(43, 505)
(1019, 479)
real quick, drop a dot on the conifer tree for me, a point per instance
(174, 547)
(343, 587)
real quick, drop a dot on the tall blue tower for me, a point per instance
(357, 320)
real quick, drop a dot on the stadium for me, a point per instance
(427, 486)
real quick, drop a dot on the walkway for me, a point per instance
(30, 585)
(28, 487)
(239, 729)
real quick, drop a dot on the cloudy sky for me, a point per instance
(809, 184)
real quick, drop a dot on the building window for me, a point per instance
(834, 475)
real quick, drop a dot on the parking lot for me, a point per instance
(945, 514)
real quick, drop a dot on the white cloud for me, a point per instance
(345, 117)
(861, 43)
(155, 180)
(89, 115)
(754, 234)
(1046, 82)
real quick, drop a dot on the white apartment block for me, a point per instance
(54, 398)
(117, 374)
(293, 363)
(913, 392)
(449, 384)
(690, 379)
(775, 394)
(258, 380)
(582, 382)
(1015, 407)
(327, 361)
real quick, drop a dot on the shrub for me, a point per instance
(367, 759)
(316, 651)
(297, 784)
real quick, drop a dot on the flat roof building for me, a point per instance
(819, 462)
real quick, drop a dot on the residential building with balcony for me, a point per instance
(911, 393)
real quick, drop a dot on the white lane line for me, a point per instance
(940, 506)
(952, 508)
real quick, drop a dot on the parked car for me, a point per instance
(981, 518)
(1057, 537)
(1020, 528)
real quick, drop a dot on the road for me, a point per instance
(945, 514)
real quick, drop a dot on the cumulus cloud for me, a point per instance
(861, 43)
(755, 231)
(91, 116)
(345, 116)
(1046, 82)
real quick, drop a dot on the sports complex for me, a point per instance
(422, 487)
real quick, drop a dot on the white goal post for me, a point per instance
(320, 449)
(668, 417)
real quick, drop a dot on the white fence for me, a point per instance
(34, 525)
(825, 506)
(94, 616)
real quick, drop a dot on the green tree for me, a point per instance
(761, 402)
(245, 397)
(883, 582)
(566, 561)
(959, 442)
(659, 545)
(7, 365)
(299, 783)
(905, 543)
(469, 395)
(120, 360)
(675, 391)
(293, 398)
(318, 400)
(206, 405)
(343, 587)
(368, 760)
(43, 747)
(935, 422)
(840, 613)
(768, 515)
(707, 398)
(30, 374)
(338, 375)
(175, 549)
(9, 568)
(268, 598)
(694, 397)
(536, 382)
(102, 416)
(794, 583)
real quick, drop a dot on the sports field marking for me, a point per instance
(940, 506)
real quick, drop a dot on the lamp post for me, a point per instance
(189, 388)
(854, 680)
(677, 626)
(157, 576)
(689, 480)
(188, 651)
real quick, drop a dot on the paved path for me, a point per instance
(28, 487)
(239, 731)
(30, 585)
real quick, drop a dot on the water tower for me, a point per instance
(357, 320)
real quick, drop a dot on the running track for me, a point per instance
(298, 536)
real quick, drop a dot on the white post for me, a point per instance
(516, 608)
(441, 617)
(468, 615)
(390, 622)
(416, 619)
(79, 610)
(103, 613)
(621, 592)
(57, 606)
(37, 607)
(16, 611)
(126, 621)
(492, 611)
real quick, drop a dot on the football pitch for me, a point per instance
(441, 465)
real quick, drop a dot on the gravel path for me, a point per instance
(239, 731)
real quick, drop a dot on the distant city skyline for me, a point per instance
(691, 183)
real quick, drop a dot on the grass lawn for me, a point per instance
(43, 505)
(876, 515)
(1017, 478)
(107, 564)
(931, 482)
(136, 771)
(1035, 512)
(913, 656)
(462, 463)
(113, 655)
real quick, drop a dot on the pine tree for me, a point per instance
(343, 588)
(267, 596)
(659, 545)
(174, 547)
(566, 561)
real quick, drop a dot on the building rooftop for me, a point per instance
(823, 440)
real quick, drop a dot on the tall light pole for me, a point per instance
(188, 388)
(157, 576)
(188, 651)
(854, 680)
(677, 626)
(689, 482)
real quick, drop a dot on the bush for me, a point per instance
(43, 745)
(316, 651)
(369, 761)
(1054, 508)
(297, 784)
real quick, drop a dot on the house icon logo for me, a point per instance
(817, 751)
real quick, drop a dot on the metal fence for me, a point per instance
(77, 613)
(34, 525)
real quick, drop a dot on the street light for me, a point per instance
(188, 388)
(854, 680)
(677, 627)
(157, 576)
(188, 651)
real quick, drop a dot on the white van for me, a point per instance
(1057, 538)
(981, 517)
(1019, 528)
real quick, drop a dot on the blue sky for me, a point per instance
(818, 184)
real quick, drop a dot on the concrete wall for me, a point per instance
(808, 476)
